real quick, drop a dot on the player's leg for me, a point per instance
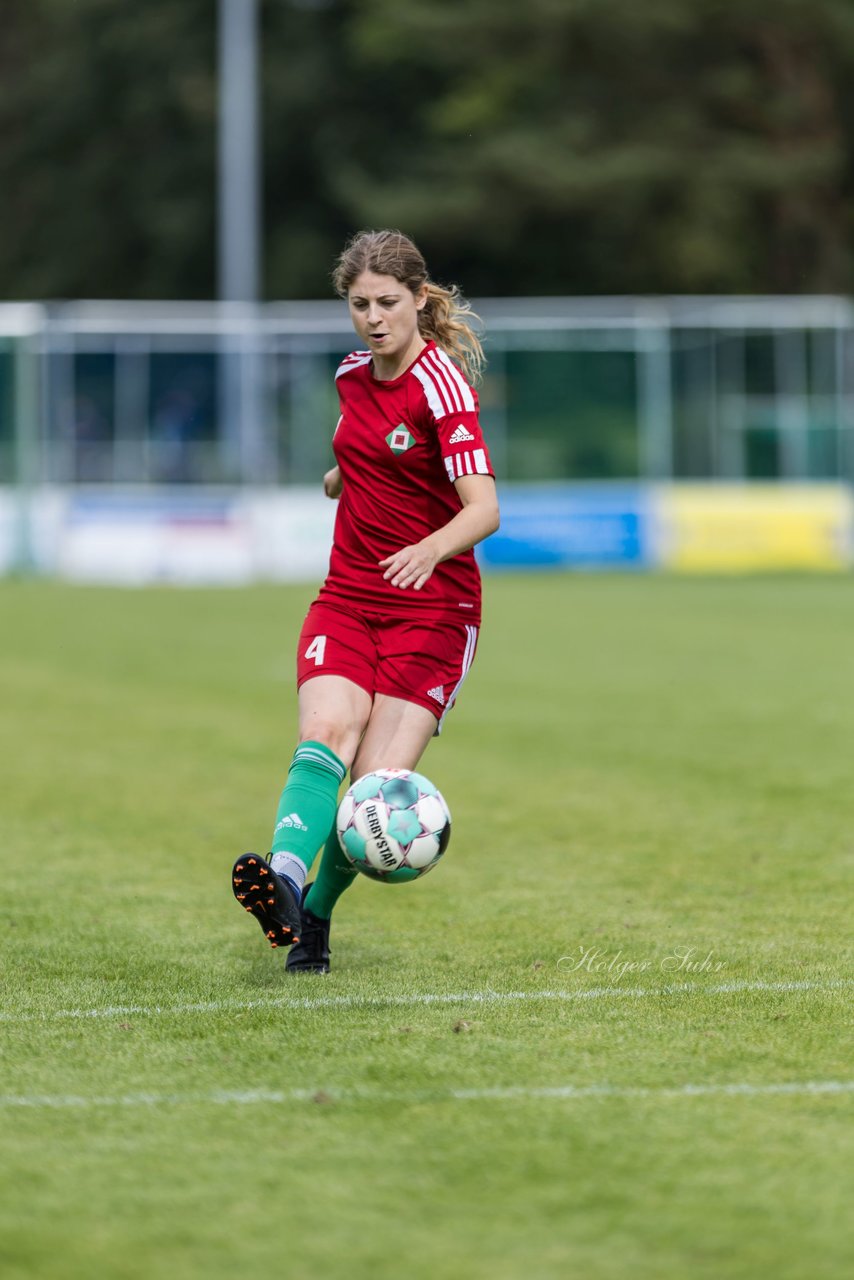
(333, 713)
(334, 672)
(396, 736)
(421, 668)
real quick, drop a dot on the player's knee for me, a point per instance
(343, 739)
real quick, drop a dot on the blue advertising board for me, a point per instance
(567, 525)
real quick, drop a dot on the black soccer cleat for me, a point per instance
(269, 897)
(310, 953)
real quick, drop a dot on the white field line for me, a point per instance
(559, 1093)
(613, 992)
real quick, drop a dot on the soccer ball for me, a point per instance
(393, 825)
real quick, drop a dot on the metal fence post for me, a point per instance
(26, 399)
(655, 400)
(790, 376)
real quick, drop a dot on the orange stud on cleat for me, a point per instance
(271, 902)
(247, 908)
(263, 871)
(239, 867)
(241, 897)
(252, 862)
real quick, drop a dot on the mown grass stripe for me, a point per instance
(428, 998)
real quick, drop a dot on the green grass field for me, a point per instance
(608, 1037)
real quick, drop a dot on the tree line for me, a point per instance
(550, 147)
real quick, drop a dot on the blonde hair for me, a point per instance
(446, 316)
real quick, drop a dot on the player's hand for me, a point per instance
(332, 483)
(410, 567)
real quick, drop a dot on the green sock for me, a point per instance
(334, 875)
(306, 810)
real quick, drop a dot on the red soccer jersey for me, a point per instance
(400, 446)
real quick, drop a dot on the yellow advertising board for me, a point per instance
(720, 528)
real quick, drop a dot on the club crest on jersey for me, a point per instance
(400, 439)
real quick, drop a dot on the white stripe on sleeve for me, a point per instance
(480, 464)
(463, 387)
(353, 361)
(436, 399)
(444, 380)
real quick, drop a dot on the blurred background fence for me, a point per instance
(185, 442)
(576, 389)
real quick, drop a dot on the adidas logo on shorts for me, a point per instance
(438, 693)
(461, 435)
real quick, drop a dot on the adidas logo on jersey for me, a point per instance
(461, 435)
(292, 820)
(438, 693)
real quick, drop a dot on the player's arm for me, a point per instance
(477, 520)
(332, 483)
(412, 566)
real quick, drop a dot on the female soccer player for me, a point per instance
(387, 644)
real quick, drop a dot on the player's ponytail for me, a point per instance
(446, 317)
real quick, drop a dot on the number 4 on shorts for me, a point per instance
(316, 650)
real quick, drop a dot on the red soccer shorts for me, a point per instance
(421, 662)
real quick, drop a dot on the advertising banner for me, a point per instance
(571, 526)
(160, 536)
(714, 528)
(194, 537)
(134, 537)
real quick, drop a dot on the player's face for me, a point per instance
(385, 316)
